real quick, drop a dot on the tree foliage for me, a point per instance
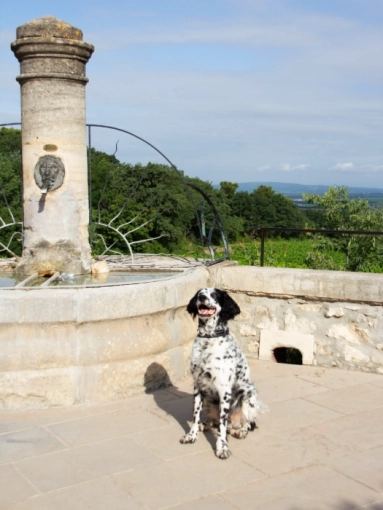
(10, 191)
(131, 204)
(362, 253)
(264, 207)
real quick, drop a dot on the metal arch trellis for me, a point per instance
(205, 239)
(216, 220)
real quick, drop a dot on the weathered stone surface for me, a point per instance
(246, 330)
(370, 321)
(377, 358)
(322, 347)
(309, 307)
(48, 27)
(362, 332)
(303, 325)
(353, 355)
(265, 319)
(352, 307)
(334, 312)
(245, 315)
(39, 388)
(253, 348)
(119, 380)
(344, 331)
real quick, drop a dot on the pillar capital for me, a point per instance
(50, 48)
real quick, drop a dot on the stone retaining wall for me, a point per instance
(338, 316)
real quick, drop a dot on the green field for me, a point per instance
(280, 253)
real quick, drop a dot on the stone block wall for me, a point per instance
(338, 316)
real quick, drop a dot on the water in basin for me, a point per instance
(113, 278)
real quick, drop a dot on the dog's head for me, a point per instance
(210, 302)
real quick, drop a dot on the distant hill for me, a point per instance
(293, 190)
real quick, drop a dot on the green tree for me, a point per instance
(264, 207)
(10, 190)
(362, 253)
(228, 188)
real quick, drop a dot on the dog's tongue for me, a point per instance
(206, 311)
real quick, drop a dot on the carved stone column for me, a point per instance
(52, 58)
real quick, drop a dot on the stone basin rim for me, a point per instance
(177, 272)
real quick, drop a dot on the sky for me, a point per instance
(238, 90)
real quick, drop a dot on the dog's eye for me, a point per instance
(214, 295)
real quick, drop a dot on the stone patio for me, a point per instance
(320, 446)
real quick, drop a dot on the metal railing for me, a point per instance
(262, 231)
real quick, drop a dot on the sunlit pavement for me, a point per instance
(320, 446)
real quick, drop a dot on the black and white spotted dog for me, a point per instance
(222, 384)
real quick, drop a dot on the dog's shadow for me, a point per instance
(156, 379)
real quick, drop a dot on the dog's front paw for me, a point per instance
(223, 453)
(188, 438)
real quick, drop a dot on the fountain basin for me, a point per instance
(71, 345)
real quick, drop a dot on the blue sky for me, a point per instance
(240, 90)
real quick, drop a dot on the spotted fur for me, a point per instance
(222, 385)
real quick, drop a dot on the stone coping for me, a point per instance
(176, 272)
(295, 283)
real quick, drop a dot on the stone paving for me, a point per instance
(320, 446)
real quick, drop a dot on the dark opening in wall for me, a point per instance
(288, 355)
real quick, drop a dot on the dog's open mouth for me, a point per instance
(205, 310)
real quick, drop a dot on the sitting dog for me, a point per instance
(222, 385)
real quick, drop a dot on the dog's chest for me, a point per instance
(213, 361)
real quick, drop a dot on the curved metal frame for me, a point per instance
(188, 185)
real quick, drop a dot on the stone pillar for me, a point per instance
(52, 58)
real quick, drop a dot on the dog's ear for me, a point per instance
(192, 306)
(229, 307)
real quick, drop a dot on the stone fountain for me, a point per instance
(76, 343)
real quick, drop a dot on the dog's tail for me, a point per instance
(253, 408)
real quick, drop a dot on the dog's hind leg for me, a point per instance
(212, 411)
(192, 435)
(238, 426)
(251, 408)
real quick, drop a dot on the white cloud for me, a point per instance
(286, 167)
(361, 169)
(344, 167)
(263, 168)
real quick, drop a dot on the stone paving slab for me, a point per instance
(320, 446)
